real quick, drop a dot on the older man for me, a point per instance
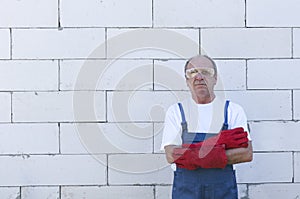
(204, 136)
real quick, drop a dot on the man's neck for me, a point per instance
(203, 100)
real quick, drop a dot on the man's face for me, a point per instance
(201, 78)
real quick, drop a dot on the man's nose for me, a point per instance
(199, 76)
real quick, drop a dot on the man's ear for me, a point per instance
(186, 81)
(216, 79)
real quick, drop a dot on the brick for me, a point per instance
(265, 74)
(272, 13)
(5, 108)
(106, 138)
(297, 166)
(138, 106)
(138, 169)
(242, 191)
(50, 170)
(31, 13)
(163, 192)
(152, 43)
(5, 44)
(58, 44)
(296, 103)
(109, 192)
(158, 134)
(169, 75)
(279, 108)
(246, 42)
(296, 42)
(29, 138)
(114, 13)
(10, 192)
(199, 13)
(231, 75)
(58, 106)
(45, 75)
(274, 191)
(275, 136)
(40, 192)
(266, 167)
(106, 75)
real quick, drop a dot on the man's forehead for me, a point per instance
(200, 62)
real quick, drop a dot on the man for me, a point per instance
(204, 136)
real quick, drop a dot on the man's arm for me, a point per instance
(169, 151)
(239, 155)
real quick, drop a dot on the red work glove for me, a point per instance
(207, 156)
(233, 138)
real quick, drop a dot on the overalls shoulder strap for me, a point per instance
(225, 124)
(183, 121)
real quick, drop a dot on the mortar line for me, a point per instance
(292, 43)
(11, 107)
(152, 14)
(58, 15)
(10, 43)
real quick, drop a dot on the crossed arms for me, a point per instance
(228, 147)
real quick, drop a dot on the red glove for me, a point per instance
(207, 156)
(233, 138)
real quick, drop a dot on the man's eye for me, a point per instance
(194, 71)
(205, 72)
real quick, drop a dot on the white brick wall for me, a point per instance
(58, 106)
(273, 13)
(264, 74)
(5, 108)
(21, 72)
(297, 166)
(40, 192)
(30, 13)
(120, 74)
(106, 138)
(269, 191)
(296, 44)
(10, 192)
(84, 86)
(216, 13)
(275, 136)
(296, 99)
(140, 106)
(28, 170)
(93, 192)
(138, 169)
(57, 44)
(247, 42)
(106, 13)
(152, 43)
(266, 167)
(29, 139)
(5, 44)
(279, 108)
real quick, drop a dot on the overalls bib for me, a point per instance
(203, 183)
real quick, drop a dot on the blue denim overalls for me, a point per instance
(203, 183)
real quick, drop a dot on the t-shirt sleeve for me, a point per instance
(239, 118)
(172, 128)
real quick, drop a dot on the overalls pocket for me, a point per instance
(183, 185)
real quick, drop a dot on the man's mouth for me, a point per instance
(198, 83)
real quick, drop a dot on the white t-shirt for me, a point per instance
(201, 118)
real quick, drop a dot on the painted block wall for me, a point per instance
(84, 86)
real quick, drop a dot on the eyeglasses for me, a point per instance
(206, 72)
